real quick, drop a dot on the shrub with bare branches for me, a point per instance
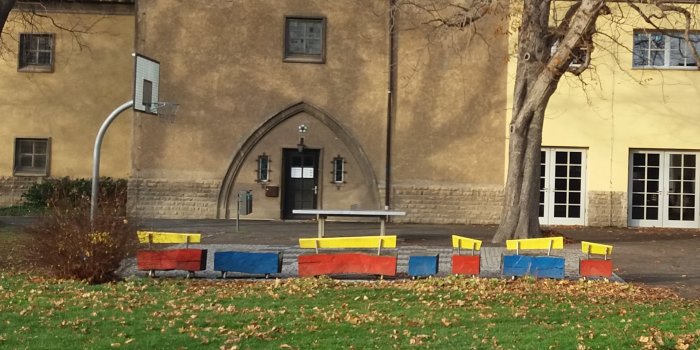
(69, 245)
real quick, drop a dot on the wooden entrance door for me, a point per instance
(300, 181)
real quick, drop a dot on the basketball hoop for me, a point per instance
(166, 111)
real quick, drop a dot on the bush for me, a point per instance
(52, 191)
(67, 244)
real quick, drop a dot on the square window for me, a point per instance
(305, 39)
(638, 213)
(562, 157)
(574, 211)
(32, 157)
(652, 213)
(36, 52)
(637, 199)
(560, 197)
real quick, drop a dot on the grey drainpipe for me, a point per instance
(391, 96)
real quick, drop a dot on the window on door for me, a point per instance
(562, 186)
(663, 189)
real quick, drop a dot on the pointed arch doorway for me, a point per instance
(226, 205)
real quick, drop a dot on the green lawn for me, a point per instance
(441, 313)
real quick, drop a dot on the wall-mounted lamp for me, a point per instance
(302, 130)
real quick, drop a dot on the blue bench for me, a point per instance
(423, 265)
(548, 266)
(253, 263)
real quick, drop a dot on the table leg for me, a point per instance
(321, 225)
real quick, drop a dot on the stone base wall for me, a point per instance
(160, 198)
(436, 204)
(12, 188)
(439, 204)
(607, 208)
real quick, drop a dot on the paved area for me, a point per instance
(656, 257)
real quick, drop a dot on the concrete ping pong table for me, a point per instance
(322, 214)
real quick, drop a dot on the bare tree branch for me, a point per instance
(451, 15)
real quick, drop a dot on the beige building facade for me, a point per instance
(57, 88)
(342, 105)
(620, 142)
(299, 101)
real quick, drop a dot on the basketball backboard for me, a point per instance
(146, 81)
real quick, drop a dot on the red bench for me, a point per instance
(186, 259)
(347, 263)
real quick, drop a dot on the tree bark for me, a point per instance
(536, 79)
(518, 219)
(5, 8)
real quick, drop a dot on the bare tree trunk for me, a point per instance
(518, 219)
(536, 79)
(5, 8)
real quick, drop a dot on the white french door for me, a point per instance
(562, 186)
(663, 189)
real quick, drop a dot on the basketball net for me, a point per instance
(166, 111)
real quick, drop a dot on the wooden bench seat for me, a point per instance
(537, 266)
(186, 259)
(347, 263)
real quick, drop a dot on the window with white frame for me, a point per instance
(663, 188)
(305, 39)
(36, 52)
(668, 49)
(32, 157)
(562, 186)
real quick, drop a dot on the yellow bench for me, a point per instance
(547, 244)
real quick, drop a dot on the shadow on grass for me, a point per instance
(14, 243)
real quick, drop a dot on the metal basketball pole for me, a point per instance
(96, 156)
